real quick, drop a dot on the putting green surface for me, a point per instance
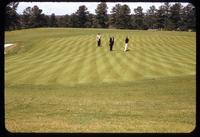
(58, 80)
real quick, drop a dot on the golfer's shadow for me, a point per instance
(128, 50)
(117, 50)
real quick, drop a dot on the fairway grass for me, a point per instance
(153, 105)
(58, 80)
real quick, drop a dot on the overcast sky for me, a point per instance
(63, 8)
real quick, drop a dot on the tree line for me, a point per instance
(166, 17)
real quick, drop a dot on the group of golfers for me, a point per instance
(111, 42)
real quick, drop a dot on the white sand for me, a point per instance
(7, 45)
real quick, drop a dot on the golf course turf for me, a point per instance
(58, 80)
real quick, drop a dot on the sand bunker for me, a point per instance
(9, 48)
(8, 45)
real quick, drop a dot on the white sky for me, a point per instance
(63, 8)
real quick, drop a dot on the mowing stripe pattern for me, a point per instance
(71, 56)
(58, 80)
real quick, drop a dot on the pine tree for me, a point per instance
(101, 15)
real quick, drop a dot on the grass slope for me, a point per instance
(69, 84)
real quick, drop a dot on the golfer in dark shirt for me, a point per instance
(111, 43)
(126, 44)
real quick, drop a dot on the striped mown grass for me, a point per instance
(70, 56)
(52, 62)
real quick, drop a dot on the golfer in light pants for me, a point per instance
(126, 44)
